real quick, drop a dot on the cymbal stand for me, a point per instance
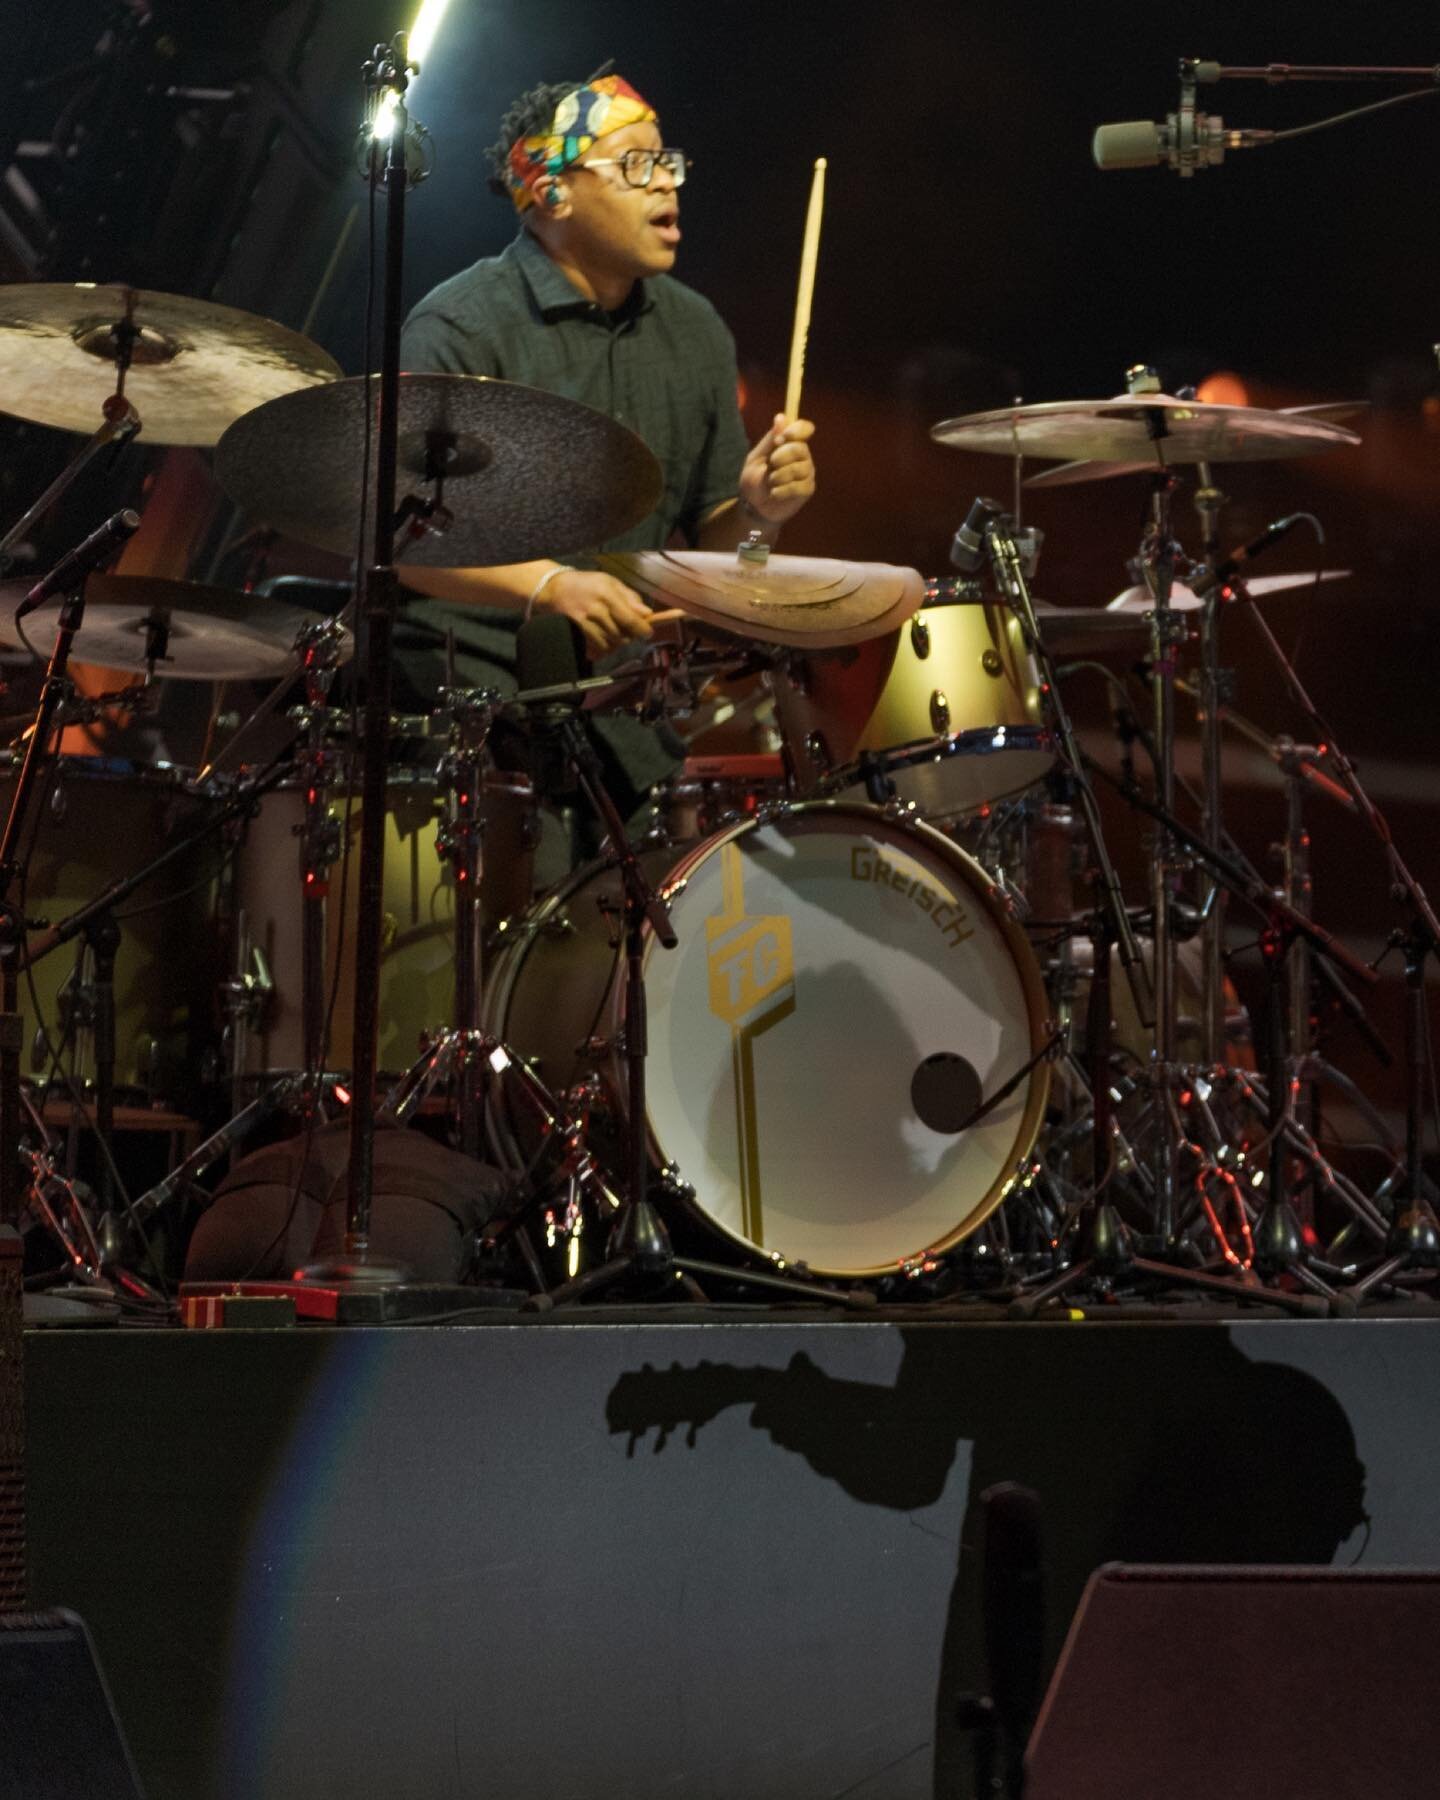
(1216, 691)
(12, 922)
(1007, 558)
(1414, 1238)
(318, 647)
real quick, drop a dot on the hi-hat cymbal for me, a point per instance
(202, 633)
(1088, 630)
(195, 367)
(1185, 599)
(1330, 412)
(811, 601)
(1118, 430)
(525, 473)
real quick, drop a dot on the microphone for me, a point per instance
(1237, 559)
(969, 546)
(1187, 141)
(70, 572)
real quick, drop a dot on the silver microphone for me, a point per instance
(1187, 141)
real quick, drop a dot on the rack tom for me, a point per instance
(947, 708)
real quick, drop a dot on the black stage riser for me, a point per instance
(421, 1563)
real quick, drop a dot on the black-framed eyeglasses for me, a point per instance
(638, 166)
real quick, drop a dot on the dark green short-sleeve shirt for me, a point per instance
(664, 365)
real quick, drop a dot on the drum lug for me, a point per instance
(920, 638)
(797, 673)
(559, 925)
(819, 752)
(939, 713)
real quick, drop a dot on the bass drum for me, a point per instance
(847, 992)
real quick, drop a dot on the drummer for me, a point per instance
(583, 303)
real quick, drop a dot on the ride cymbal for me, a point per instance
(195, 367)
(520, 473)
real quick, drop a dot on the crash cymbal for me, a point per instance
(1116, 430)
(525, 473)
(196, 367)
(200, 633)
(1330, 412)
(1185, 599)
(811, 601)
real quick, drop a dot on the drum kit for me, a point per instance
(862, 1011)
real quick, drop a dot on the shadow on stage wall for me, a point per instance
(1170, 1446)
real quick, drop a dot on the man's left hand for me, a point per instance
(779, 473)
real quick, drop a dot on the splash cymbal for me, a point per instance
(1185, 599)
(195, 366)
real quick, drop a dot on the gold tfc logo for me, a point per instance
(867, 864)
(751, 969)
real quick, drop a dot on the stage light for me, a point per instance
(421, 41)
(422, 35)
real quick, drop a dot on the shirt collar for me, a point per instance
(554, 295)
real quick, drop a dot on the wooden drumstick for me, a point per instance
(808, 258)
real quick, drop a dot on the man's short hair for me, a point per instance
(528, 117)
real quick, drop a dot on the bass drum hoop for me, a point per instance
(671, 873)
(1037, 1008)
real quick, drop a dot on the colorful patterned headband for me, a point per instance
(604, 105)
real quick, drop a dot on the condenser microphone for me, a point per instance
(1186, 141)
(969, 546)
(70, 572)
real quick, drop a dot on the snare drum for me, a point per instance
(847, 993)
(949, 706)
(713, 791)
(92, 820)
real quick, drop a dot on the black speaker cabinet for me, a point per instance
(59, 1736)
(1205, 1683)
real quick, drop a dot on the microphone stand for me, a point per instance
(1277, 74)
(388, 71)
(639, 1241)
(1414, 1237)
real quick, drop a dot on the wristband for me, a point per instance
(540, 587)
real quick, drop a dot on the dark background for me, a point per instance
(971, 252)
